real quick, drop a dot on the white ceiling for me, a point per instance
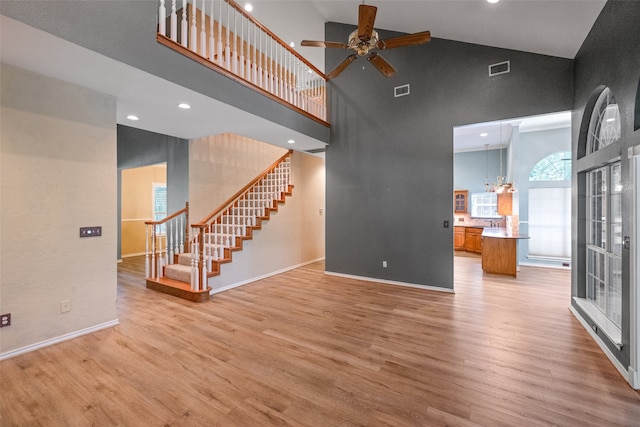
(552, 27)
(471, 137)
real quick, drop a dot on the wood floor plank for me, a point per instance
(307, 349)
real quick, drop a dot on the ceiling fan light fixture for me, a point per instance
(364, 39)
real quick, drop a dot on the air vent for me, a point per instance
(400, 91)
(499, 68)
(316, 150)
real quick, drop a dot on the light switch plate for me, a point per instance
(91, 231)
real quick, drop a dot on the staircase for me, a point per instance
(183, 269)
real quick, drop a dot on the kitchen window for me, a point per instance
(484, 205)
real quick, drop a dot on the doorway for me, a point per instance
(143, 198)
(525, 152)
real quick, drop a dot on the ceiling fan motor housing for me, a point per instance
(362, 47)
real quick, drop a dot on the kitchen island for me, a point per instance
(500, 251)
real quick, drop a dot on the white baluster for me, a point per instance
(212, 44)
(242, 66)
(162, 18)
(227, 47)
(184, 33)
(194, 270)
(256, 59)
(182, 239)
(161, 252)
(247, 65)
(203, 33)
(260, 59)
(208, 248)
(170, 253)
(193, 41)
(153, 251)
(234, 47)
(173, 34)
(146, 252)
(219, 38)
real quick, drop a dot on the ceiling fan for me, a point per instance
(364, 39)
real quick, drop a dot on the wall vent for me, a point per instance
(499, 68)
(400, 90)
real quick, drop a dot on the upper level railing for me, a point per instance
(223, 36)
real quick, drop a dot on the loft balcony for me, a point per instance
(222, 36)
(270, 94)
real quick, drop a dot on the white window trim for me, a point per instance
(608, 328)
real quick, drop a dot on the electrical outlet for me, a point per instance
(5, 320)
(384, 264)
(65, 305)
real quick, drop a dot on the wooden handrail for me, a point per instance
(278, 39)
(232, 199)
(170, 217)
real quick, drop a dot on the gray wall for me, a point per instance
(390, 161)
(126, 31)
(138, 148)
(610, 57)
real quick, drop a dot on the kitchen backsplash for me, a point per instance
(466, 220)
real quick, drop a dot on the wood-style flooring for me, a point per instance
(308, 349)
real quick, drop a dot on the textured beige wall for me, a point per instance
(137, 206)
(293, 236)
(58, 173)
(221, 165)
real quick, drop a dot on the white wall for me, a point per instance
(295, 233)
(58, 173)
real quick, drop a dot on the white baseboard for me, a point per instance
(59, 339)
(264, 276)
(133, 255)
(391, 282)
(634, 379)
(601, 344)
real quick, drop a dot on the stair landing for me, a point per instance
(178, 289)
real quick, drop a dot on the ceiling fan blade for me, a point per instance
(366, 19)
(314, 43)
(381, 64)
(408, 40)
(340, 68)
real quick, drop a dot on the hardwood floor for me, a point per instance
(307, 349)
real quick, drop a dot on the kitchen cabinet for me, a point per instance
(500, 251)
(473, 239)
(460, 201)
(458, 238)
(505, 204)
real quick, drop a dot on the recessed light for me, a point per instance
(483, 134)
(184, 105)
(248, 7)
(493, 1)
(292, 44)
(133, 117)
(291, 141)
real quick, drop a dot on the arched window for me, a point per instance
(554, 167)
(604, 125)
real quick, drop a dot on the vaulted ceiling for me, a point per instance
(551, 27)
